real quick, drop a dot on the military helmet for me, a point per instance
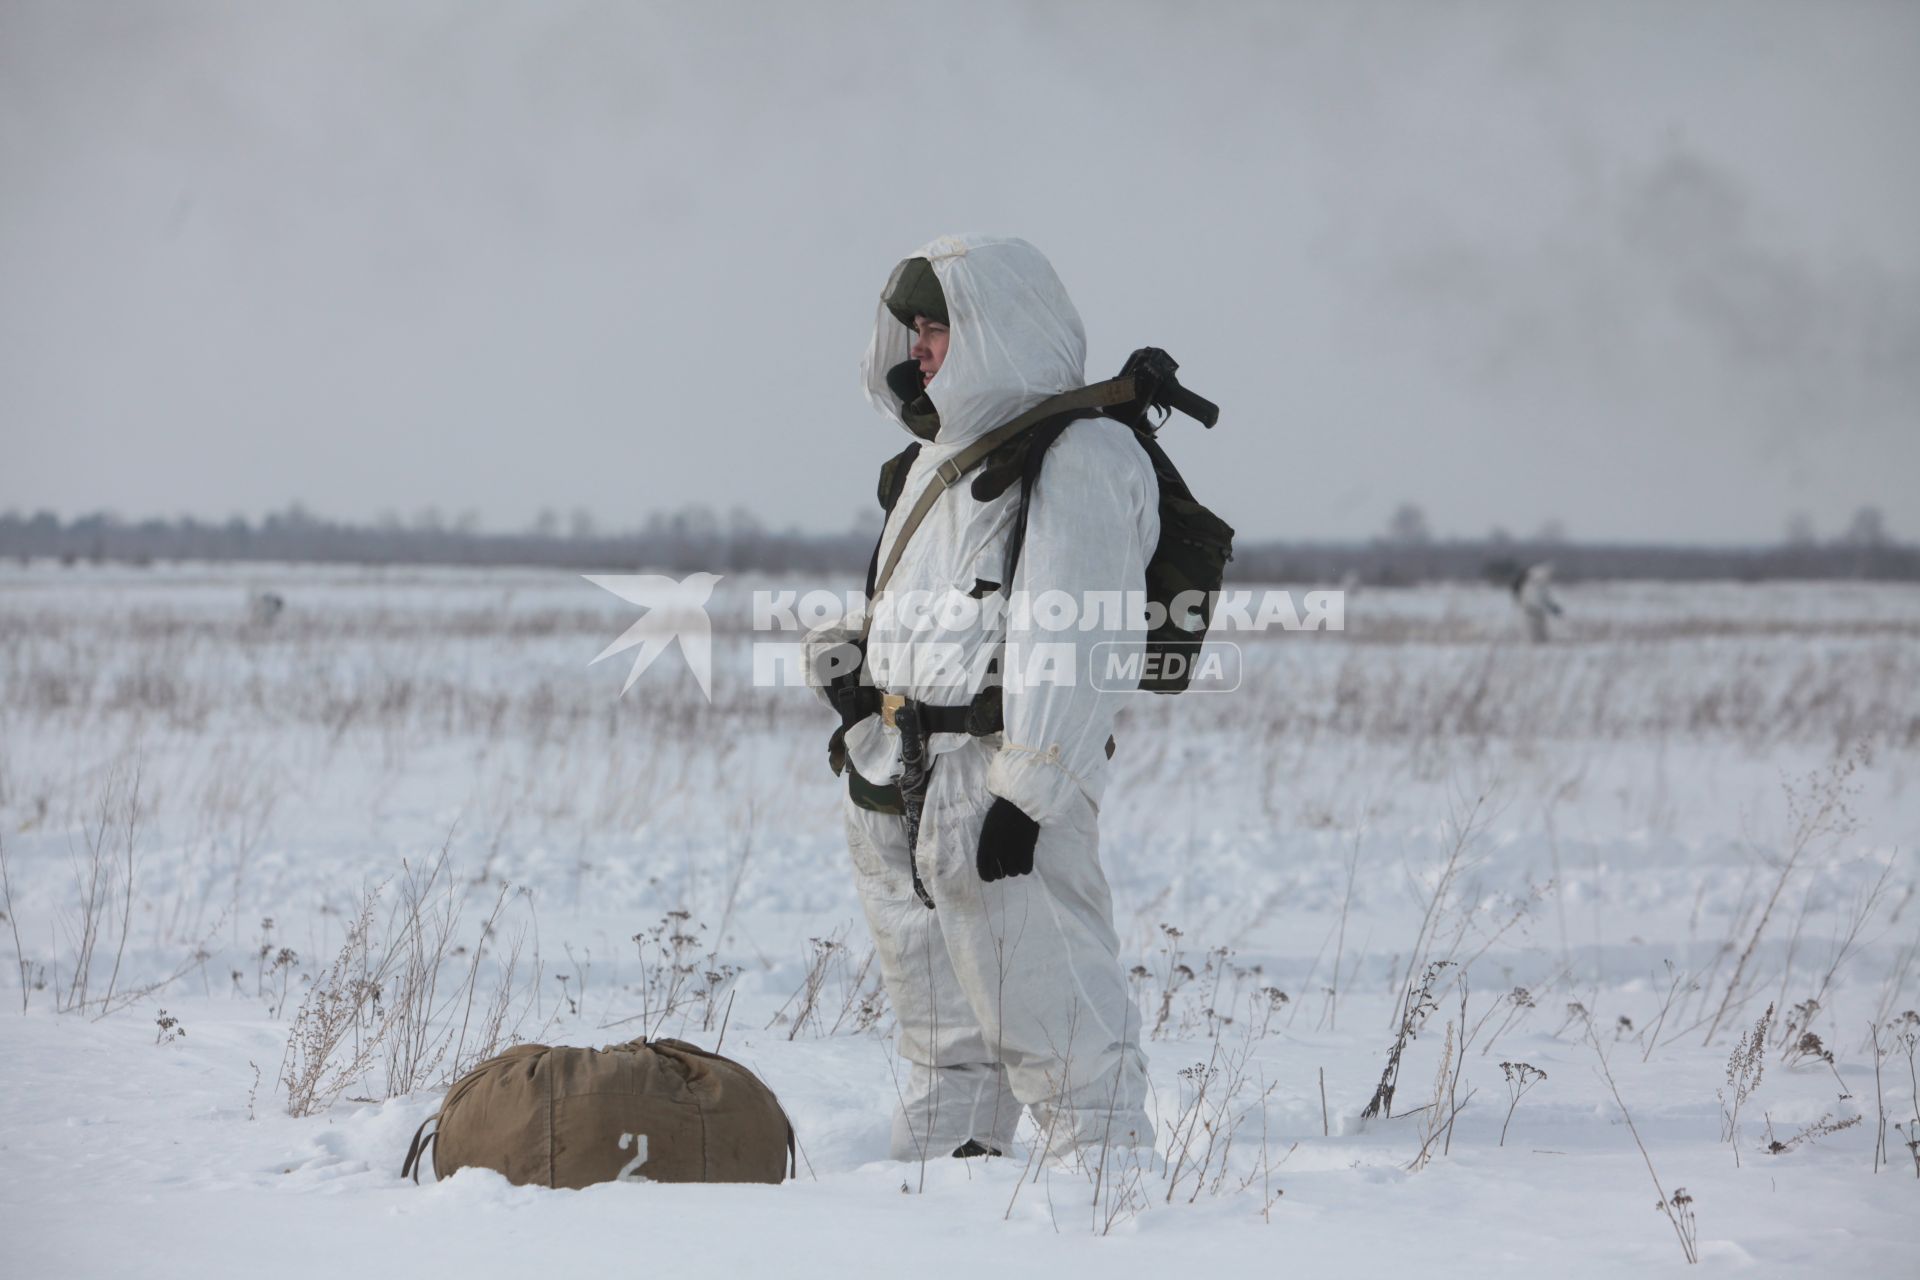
(913, 290)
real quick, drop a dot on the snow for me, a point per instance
(1619, 800)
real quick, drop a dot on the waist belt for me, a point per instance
(978, 718)
(984, 715)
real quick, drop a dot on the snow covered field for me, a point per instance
(1701, 802)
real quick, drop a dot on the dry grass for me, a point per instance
(386, 1002)
(834, 983)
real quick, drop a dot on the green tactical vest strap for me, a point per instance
(1096, 396)
(893, 476)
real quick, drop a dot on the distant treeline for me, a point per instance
(699, 541)
(1502, 560)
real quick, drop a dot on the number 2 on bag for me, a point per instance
(638, 1141)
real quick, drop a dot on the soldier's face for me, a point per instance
(929, 347)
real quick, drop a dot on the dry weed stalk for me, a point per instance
(110, 834)
(1908, 1036)
(1818, 808)
(1862, 909)
(1439, 1115)
(1820, 1128)
(429, 907)
(20, 961)
(1910, 1135)
(1651, 1035)
(1435, 1116)
(1796, 1037)
(831, 975)
(1678, 1207)
(1745, 1067)
(1218, 1097)
(1519, 1004)
(106, 881)
(1879, 1101)
(670, 961)
(1415, 1005)
(340, 1011)
(1464, 830)
(862, 1004)
(1173, 977)
(1520, 1077)
(1895, 983)
(1330, 1012)
(825, 952)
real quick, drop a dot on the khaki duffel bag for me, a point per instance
(655, 1111)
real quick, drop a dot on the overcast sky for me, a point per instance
(1653, 271)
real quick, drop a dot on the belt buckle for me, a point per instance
(890, 703)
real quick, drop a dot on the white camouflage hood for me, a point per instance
(1015, 337)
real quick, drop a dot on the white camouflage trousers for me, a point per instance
(1009, 993)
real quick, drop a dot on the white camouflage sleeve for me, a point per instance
(1093, 523)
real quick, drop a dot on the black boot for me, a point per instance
(971, 1148)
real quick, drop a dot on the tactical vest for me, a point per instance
(1183, 575)
(1187, 566)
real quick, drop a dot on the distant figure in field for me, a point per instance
(1533, 594)
(263, 607)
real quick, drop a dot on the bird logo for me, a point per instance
(675, 611)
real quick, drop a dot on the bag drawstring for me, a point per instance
(417, 1149)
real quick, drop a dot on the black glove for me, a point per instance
(1006, 841)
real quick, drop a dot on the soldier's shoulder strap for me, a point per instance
(949, 473)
